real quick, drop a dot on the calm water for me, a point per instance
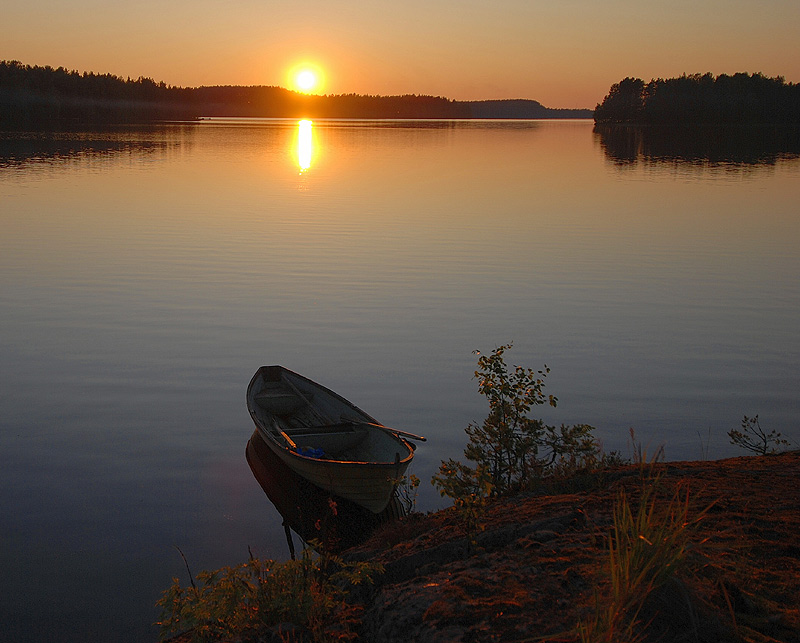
(146, 274)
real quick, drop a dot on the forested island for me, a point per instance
(34, 96)
(702, 99)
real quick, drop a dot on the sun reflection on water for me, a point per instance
(305, 145)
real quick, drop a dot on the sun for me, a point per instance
(306, 78)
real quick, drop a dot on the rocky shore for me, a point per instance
(539, 564)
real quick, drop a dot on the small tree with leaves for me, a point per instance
(753, 438)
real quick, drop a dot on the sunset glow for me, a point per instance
(547, 52)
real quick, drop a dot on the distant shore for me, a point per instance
(41, 97)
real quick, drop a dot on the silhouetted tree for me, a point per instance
(624, 102)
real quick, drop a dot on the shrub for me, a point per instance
(516, 451)
(753, 438)
(469, 490)
(246, 601)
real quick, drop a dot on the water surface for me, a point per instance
(145, 274)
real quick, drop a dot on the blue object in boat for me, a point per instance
(311, 452)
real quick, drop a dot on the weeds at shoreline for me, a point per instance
(470, 490)
(246, 602)
(407, 489)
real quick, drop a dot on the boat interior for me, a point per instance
(316, 424)
(336, 441)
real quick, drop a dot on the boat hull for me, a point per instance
(311, 512)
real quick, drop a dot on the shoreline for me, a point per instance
(540, 562)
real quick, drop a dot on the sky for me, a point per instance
(563, 53)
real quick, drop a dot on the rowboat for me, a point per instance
(326, 439)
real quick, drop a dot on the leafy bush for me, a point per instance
(511, 451)
(516, 451)
(469, 490)
(245, 602)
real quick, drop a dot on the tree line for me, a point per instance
(702, 99)
(34, 96)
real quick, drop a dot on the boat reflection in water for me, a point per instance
(311, 512)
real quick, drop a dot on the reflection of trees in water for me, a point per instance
(746, 145)
(19, 149)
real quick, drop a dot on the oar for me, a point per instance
(285, 435)
(404, 434)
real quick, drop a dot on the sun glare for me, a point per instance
(306, 78)
(305, 145)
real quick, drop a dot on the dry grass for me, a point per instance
(647, 548)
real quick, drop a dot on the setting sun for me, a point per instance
(306, 78)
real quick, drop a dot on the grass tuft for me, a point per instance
(647, 548)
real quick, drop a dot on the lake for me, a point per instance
(146, 273)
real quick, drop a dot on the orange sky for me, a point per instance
(563, 54)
